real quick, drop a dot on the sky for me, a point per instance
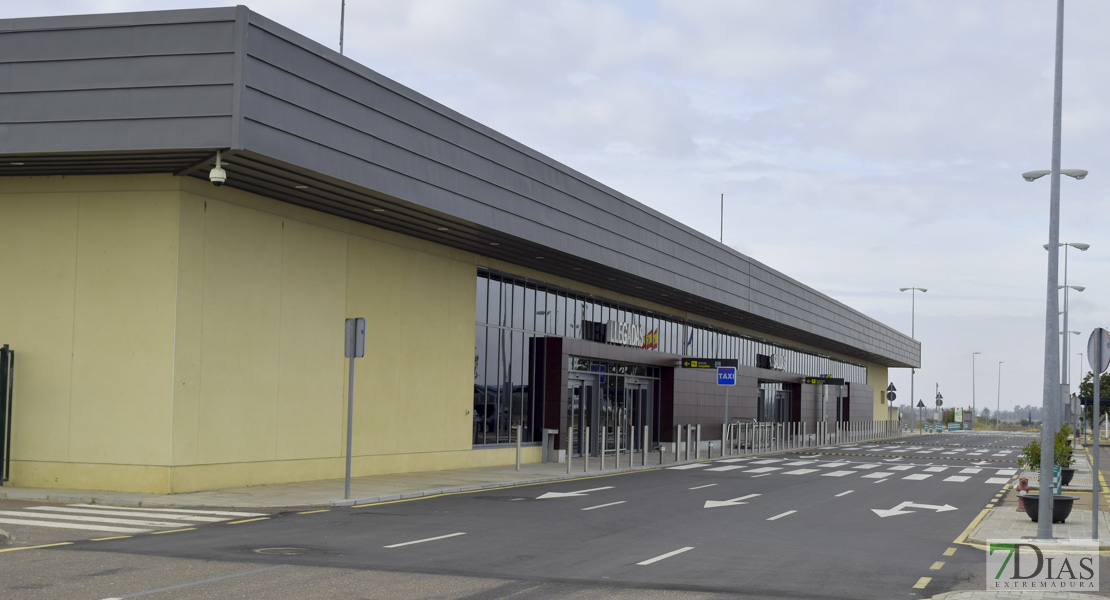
(861, 146)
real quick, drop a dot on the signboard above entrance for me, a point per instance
(823, 380)
(709, 363)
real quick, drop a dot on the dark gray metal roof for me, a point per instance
(160, 92)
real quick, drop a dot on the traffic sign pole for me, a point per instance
(1098, 355)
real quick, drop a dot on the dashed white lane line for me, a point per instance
(957, 478)
(878, 475)
(997, 480)
(971, 470)
(767, 461)
(432, 539)
(665, 556)
(900, 467)
(733, 460)
(1007, 471)
(936, 469)
(867, 466)
(727, 468)
(844, 493)
(703, 486)
(689, 466)
(787, 513)
(799, 471)
(918, 476)
(605, 505)
(838, 473)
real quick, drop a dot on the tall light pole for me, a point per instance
(973, 389)
(1051, 386)
(998, 406)
(913, 303)
(1065, 394)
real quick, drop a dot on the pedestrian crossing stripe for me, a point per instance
(113, 519)
(976, 459)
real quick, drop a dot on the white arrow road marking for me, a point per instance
(733, 502)
(898, 510)
(568, 494)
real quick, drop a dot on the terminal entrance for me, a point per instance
(615, 408)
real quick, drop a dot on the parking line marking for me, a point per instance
(700, 487)
(442, 537)
(921, 583)
(844, 493)
(665, 556)
(604, 505)
(787, 513)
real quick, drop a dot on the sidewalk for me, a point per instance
(378, 488)
(1005, 521)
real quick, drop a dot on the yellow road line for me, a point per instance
(963, 536)
(35, 547)
(937, 565)
(248, 520)
(921, 583)
(950, 552)
(174, 531)
(117, 537)
(312, 512)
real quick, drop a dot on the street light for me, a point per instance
(1051, 385)
(998, 406)
(973, 389)
(912, 290)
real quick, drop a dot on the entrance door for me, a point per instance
(637, 413)
(582, 410)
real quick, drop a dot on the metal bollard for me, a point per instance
(570, 447)
(697, 444)
(617, 447)
(586, 450)
(644, 443)
(677, 441)
(519, 432)
(601, 448)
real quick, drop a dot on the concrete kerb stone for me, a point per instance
(5, 537)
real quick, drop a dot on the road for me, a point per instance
(862, 521)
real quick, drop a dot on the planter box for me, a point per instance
(1061, 506)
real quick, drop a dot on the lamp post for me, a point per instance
(973, 389)
(913, 303)
(1051, 389)
(998, 406)
(1082, 247)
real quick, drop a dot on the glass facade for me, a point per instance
(514, 315)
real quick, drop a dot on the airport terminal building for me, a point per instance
(170, 335)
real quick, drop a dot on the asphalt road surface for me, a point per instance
(872, 520)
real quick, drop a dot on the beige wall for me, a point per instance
(173, 337)
(877, 378)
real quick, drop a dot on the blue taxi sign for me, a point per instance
(726, 375)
